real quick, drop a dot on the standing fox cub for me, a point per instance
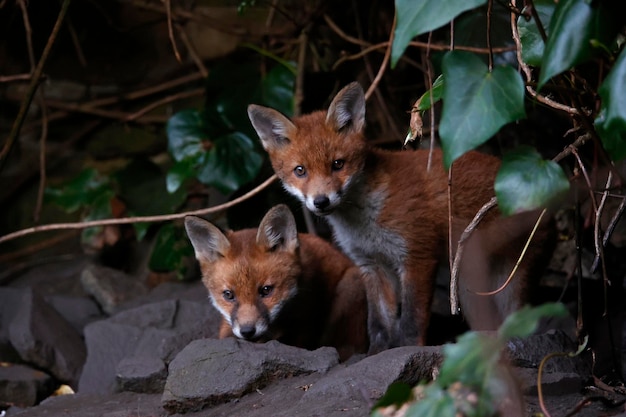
(273, 283)
(390, 215)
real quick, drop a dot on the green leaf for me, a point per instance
(185, 132)
(98, 208)
(81, 191)
(532, 43)
(476, 102)
(524, 322)
(469, 359)
(180, 172)
(277, 90)
(421, 16)
(171, 247)
(576, 26)
(437, 90)
(397, 393)
(230, 163)
(611, 123)
(437, 402)
(526, 181)
(139, 182)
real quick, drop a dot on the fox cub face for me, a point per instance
(318, 156)
(250, 275)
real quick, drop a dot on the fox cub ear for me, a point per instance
(347, 110)
(278, 231)
(274, 129)
(209, 243)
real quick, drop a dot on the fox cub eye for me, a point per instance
(228, 295)
(338, 164)
(300, 171)
(266, 290)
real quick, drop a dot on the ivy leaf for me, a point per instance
(525, 181)
(437, 89)
(576, 26)
(524, 322)
(185, 132)
(420, 16)
(171, 247)
(139, 182)
(476, 102)
(532, 43)
(82, 191)
(277, 89)
(180, 172)
(469, 359)
(230, 163)
(611, 124)
(437, 402)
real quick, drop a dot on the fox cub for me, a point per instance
(390, 215)
(273, 283)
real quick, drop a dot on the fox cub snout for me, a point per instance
(273, 283)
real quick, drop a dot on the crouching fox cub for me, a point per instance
(391, 216)
(273, 283)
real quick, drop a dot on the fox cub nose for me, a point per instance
(247, 331)
(321, 202)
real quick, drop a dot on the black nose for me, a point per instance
(321, 202)
(247, 331)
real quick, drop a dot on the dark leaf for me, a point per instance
(611, 125)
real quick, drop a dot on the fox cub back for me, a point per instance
(273, 283)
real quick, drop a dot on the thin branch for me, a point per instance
(109, 114)
(383, 65)
(165, 100)
(140, 219)
(191, 49)
(16, 77)
(32, 87)
(454, 273)
(170, 29)
(519, 259)
(42, 156)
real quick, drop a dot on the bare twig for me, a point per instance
(170, 29)
(16, 77)
(32, 87)
(42, 156)
(191, 49)
(139, 219)
(383, 65)
(454, 275)
(174, 97)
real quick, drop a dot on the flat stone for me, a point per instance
(22, 385)
(110, 287)
(145, 374)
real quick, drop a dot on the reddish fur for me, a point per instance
(329, 309)
(415, 208)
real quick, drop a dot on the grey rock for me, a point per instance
(43, 337)
(145, 374)
(23, 386)
(211, 371)
(110, 287)
(158, 330)
(552, 383)
(78, 311)
(528, 353)
(9, 303)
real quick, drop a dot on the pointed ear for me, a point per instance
(277, 230)
(274, 129)
(209, 243)
(347, 110)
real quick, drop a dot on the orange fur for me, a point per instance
(390, 215)
(273, 283)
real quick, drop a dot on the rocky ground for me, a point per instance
(128, 350)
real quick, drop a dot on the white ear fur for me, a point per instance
(278, 231)
(273, 128)
(209, 243)
(347, 110)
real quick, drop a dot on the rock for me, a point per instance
(43, 337)
(145, 374)
(9, 303)
(23, 386)
(158, 330)
(211, 371)
(552, 383)
(110, 287)
(78, 311)
(528, 353)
